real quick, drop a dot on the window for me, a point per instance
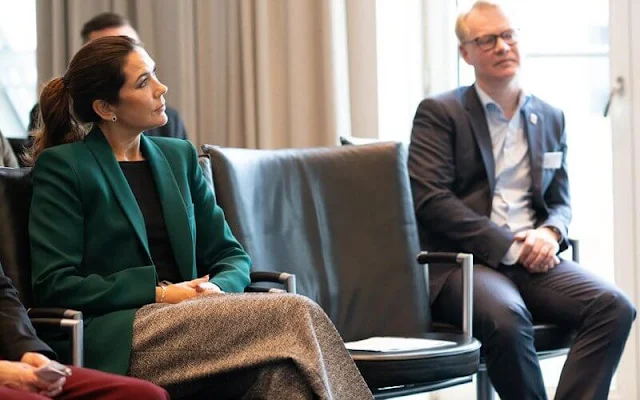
(399, 44)
(18, 71)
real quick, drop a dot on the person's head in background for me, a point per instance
(108, 24)
(489, 43)
(110, 82)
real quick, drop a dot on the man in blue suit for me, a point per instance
(488, 172)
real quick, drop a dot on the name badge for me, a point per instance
(552, 160)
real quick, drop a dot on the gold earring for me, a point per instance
(114, 118)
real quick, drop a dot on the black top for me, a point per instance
(143, 186)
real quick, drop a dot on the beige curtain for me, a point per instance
(243, 73)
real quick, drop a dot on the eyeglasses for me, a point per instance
(488, 42)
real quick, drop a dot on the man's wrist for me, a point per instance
(555, 232)
(513, 254)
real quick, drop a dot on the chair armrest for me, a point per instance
(575, 249)
(466, 262)
(260, 289)
(73, 327)
(286, 279)
(50, 312)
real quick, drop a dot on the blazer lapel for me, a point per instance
(533, 129)
(98, 145)
(479, 126)
(174, 210)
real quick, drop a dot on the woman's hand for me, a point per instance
(209, 289)
(175, 293)
(21, 376)
(187, 290)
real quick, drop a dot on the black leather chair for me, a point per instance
(15, 200)
(550, 340)
(285, 280)
(341, 220)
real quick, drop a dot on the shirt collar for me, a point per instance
(490, 105)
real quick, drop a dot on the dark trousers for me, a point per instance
(91, 384)
(508, 299)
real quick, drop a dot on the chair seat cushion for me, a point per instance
(383, 369)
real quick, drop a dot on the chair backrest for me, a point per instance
(15, 200)
(205, 164)
(348, 140)
(339, 218)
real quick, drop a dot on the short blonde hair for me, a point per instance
(462, 30)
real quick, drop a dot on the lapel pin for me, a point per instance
(533, 118)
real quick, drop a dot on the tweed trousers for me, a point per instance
(250, 346)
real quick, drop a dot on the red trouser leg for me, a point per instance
(12, 394)
(91, 384)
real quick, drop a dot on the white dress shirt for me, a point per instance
(512, 198)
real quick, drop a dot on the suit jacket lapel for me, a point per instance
(478, 122)
(175, 214)
(533, 129)
(98, 145)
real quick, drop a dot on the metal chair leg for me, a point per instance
(484, 388)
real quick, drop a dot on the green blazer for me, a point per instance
(89, 247)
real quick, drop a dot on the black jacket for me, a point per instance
(17, 335)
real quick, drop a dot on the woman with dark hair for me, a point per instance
(115, 214)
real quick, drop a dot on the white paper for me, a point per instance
(396, 344)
